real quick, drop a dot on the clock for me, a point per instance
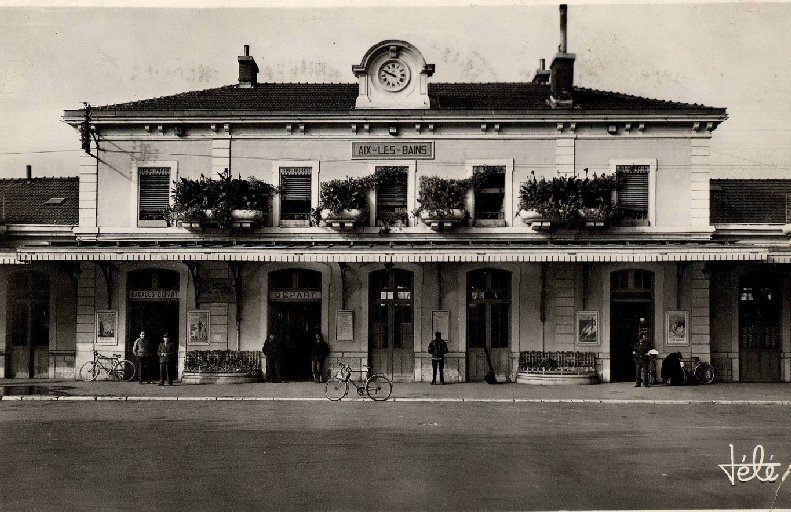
(393, 75)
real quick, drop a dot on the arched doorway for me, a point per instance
(631, 298)
(391, 336)
(760, 306)
(295, 318)
(488, 322)
(153, 307)
(28, 324)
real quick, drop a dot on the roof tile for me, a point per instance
(23, 201)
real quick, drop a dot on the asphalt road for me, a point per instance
(385, 456)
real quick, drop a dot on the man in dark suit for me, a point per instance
(166, 350)
(640, 353)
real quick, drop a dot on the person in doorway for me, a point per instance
(317, 355)
(272, 350)
(166, 351)
(437, 348)
(640, 354)
(140, 351)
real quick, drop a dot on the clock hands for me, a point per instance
(389, 73)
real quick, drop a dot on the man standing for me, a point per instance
(437, 348)
(140, 351)
(271, 350)
(317, 355)
(640, 354)
(165, 352)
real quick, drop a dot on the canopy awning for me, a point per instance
(428, 254)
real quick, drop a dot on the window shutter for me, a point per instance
(394, 191)
(634, 187)
(154, 192)
(296, 183)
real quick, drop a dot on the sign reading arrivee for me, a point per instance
(393, 150)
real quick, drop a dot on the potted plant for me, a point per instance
(191, 200)
(441, 201)
(342, 202)
(568, 200)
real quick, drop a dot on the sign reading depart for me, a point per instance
(294, 295)
(393, 150)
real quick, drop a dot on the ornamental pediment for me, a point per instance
(393, 74)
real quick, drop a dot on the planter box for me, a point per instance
(551, 378)
(345, 219)
(219, 378)
(437, 221)
(245, 219)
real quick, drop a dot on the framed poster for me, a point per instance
(106, 327)
(588, 327)
(344, 325)
(676, 327)
(198, 327)
(440, 322)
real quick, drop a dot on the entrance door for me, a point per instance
(488, 321)
(759, 328)
(631, 296)
(155, 317)
(296, 325)
(295, 318)
(391, 338)
(28, 321)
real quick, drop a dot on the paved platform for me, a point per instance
(717, 393)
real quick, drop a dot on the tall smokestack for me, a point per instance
(29, 172)
(561, 79)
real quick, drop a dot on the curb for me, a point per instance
(106, 398)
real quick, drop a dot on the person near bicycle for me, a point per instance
(166, 351)
(317, 355)
(140, 351)
(437, 348)
(640, 354)
(272, 349)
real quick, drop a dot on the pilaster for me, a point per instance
(564, 154)
(89, 178)
(220, 156)
(699, 186)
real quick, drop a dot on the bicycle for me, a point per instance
(116, 368)
(376, 386)
(703, 372)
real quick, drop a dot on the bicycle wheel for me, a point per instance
(89, 371)
(704, 373)
(378, 388)
(336, 389)
(124, 370)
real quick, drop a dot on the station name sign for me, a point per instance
(294, 295)
(393, 150)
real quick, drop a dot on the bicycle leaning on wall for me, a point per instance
(115, 368)
(376, 386)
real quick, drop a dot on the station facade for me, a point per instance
(495, 283)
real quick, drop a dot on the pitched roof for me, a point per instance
(24, 201)
(750, 201)
(285, 97)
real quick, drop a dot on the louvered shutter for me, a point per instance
(633, 194)
(154, 192)
(296, 183)
(393, 193)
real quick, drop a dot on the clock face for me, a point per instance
(394, 75)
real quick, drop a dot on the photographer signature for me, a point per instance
(745, 471)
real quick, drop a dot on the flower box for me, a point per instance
(222, 367)
(557, 368)
(344, 219)
(245, 219)
(442, 220)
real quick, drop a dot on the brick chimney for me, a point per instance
(542, 74)
(29, 172)
(561, 78)
(248, 69)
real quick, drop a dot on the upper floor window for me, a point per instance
(490, 195)
(391, 196)
(152, 189)
(636, 196)
(295, 195)
(750, 201)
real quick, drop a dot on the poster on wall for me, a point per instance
(106, 327)
(588, 327)
(676, 328)
(344, 326)
(440, 322)
(198, 327)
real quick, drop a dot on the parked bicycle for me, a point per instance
(376, 386)
(115, 367)
(701, 371)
